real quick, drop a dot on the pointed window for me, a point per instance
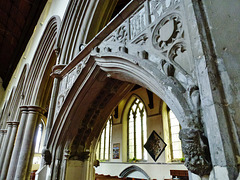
(137, 131)
(105, 141)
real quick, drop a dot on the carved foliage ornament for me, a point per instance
(196, 151)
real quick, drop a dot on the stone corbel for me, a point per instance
(196, 151)
(47, 157)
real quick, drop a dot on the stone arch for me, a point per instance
(43, 61)
(89, 101)
(167, 88)
(133, 169)
(19, 93)
(7, 108)
(121, 60)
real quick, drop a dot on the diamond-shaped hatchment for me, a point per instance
(155, 145)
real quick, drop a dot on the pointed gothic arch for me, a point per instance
(43, 60)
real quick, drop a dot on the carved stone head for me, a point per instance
(196, 151)
(47, 157)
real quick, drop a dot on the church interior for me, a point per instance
(119, 89)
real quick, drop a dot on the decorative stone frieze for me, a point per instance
(155, 32)
(67, 82)
(156, 35)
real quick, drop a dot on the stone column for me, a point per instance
(26, 149)
(18, 143)
(66, 156)
(2, 134)
(78, 168)
(57, 163)
(9, 150)
(52, 106)
(5, 145)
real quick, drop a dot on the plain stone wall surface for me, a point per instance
(224, 21)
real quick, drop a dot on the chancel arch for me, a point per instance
(90, 66)
(96, 80)
(89, 111)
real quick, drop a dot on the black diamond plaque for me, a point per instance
(155, 145)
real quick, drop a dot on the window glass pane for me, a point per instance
(175, 137)
(144, 132)
(107, 140)
(176, 143)
(103, 150)
(175, 129)
(138, 135)
(102, 145)
(131, 133)
(134, 107)
(177, 154)
(137, 130)
(39, 137)
(98, 151)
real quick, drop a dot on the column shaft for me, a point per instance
(18, 143)
(4, 147)
(9, 150)
(26, 148)
(2, 132)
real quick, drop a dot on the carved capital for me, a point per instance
(82, 156)
(196, 151)
(47, 157)
(33, 109)
(3, 131)
(13, 123)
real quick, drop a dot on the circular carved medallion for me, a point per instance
(167, 31)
